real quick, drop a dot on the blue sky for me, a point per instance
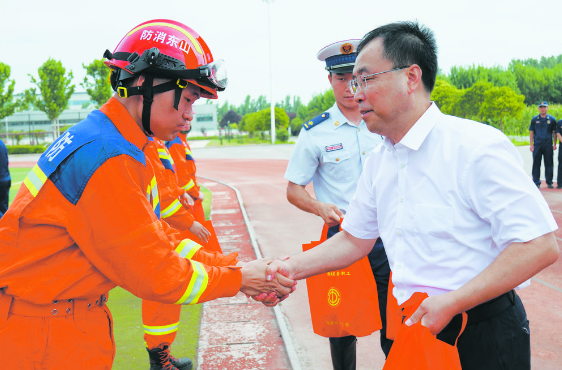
(477, 32)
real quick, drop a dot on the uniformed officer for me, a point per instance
(331, 151)
(542, 133)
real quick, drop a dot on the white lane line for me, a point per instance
(547, 284)
(279, 315)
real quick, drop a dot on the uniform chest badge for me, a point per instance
(548, 122)
(333, 147)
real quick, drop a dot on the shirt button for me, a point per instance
(363, 152)
(358, 129)
(401, 199)
(388, 150)
(337, 159)
(401, 294)
(398, 266)
(399, 233)
(402, 165)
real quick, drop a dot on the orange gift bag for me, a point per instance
(213, 243)
(343, 302)
(415, 348)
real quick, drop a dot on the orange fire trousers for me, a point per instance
(61, 335)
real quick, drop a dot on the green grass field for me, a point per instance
(126, 311)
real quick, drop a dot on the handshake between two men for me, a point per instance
(258, 283)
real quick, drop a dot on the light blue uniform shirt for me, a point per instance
(331, 155)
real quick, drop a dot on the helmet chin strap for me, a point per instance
(147, 98)
(147, 90)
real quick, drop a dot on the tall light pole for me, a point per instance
(271, 72)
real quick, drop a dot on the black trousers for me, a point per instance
(559, 179)
(4, 196)
(543, 150)
(381, 272)
(501, 342)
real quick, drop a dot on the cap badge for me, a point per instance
(346, 48)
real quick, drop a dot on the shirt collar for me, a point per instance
(337, 116)
(420, 130)
(121, 118)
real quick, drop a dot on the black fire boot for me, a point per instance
(161, 359)
(344, 358)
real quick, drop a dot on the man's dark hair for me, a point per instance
(407, 43)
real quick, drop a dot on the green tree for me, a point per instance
(445, 95)
(96, 82)
(468, 103)
(264, 119)
(531, 82)
(7, 103)
(501, 103)
(55, 87)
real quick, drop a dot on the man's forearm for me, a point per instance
(300, 198)
(338, 252)
(514, 265)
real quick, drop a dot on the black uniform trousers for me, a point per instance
(543, 149)
(499, 342)
(381, 271)
(559, 179)
(4, 196)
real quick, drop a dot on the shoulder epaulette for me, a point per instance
(316, 120)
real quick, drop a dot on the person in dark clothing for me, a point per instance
(542, 135)
(5, 179)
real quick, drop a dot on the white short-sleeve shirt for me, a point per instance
(446, 200)
(331, 155)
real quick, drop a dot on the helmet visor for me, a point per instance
(217, 73)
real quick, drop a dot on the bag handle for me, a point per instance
(464, 321)
(324, 236)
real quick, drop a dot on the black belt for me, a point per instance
(477, 314)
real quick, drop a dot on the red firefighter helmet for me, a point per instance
(164, 48)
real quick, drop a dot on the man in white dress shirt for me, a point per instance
(460, 219)
(331, 151)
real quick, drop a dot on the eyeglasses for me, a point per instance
(359, 83)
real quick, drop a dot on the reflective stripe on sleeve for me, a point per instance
(161, 330)
(35, 180)
(197, 284)
(155, 196)
(188, 154)
(171, 209)
(189, 185)
(166, 159)
(187, 248)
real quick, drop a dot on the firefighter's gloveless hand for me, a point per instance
(254, 282)
(200, 231)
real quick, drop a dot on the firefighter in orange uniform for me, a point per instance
(181, 153)
(160, 320)
(87, 217)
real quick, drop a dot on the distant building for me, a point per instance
(79, 106)
(205, 122)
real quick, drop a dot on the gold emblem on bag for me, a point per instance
(334, 297)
